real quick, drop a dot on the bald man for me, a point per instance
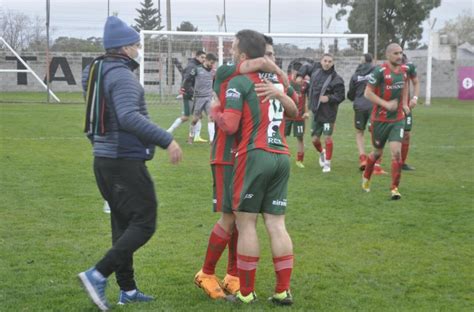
(387, 89)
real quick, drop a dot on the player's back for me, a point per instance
(262, 123)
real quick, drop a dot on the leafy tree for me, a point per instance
(186, 26)
(462, 26)
(68, 44)
(149, 18)
(398, 20)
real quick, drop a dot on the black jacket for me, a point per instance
(357, 87)
(335, 91)
(188, 80)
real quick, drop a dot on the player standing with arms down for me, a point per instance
(387, 90)
(256, 108)
(223, 148)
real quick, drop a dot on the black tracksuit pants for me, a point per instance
(128, 188)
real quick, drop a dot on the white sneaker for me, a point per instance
(327, 166)
(106, 207)
(322, 158)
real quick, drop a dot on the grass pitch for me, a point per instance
(353, 251)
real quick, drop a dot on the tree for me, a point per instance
(461, 27)
(186, 26)
(21, 32)
(68, 44)
(149, 18)
(399, 21)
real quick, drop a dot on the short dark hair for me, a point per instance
(268, 40)
(368, 58)
(211, 57)
(200, 52)
(251, 42)
(328, 55)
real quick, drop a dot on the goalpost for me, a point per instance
(166, 54)
(26, 70)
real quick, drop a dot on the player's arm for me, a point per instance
(229, 119)
(416, 91)
(269, 91)
(339, 93)
(263, 64)
(352, 90)
(376, 79)
(405, 95)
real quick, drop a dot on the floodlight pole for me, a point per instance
(108, 8)
(376, 22)
(48, 63)
(269, 15)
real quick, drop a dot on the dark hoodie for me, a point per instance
(357, 87)
(335, 91)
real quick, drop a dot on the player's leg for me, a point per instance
(274, 207)
(328, 129)
(184, 115)
(406, 141)
(360, 122)
(395, 138)
(298, 131)
(220, 235)
(316, 132)
(379, 133)
(211, 127)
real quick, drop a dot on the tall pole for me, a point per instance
(108, 8)
(376, 21)
(47, 49)
(225, 19)
(322, 26)
(429, 63)
(170, 57)
(269, 15)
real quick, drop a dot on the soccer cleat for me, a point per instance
(239, 298)
(327, 166)
(210, 285)
(362, 162)
(231, 284)
(407, 167)
(365, 184)
(199, 140)
(378, 170)
(299, 164)
(106, 207)
(138, 296)
(94, 287)
(283, 298)
(322, 158)
(395, 194)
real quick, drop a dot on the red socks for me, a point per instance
(217, 242)
(405, 146)
(300, 156)
(369, 168)
(283, 267)
(247, 266)
(317, 145)
(232, 256)
(329, 146)
(396, 173)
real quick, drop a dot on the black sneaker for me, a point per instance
(408, 167)
(283, 298)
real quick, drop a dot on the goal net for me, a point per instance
(166, 54)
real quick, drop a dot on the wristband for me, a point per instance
(415, 98)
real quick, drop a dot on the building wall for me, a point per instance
(67, 67)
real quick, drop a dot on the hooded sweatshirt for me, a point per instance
(357, 87)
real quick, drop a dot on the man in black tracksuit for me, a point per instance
(362, 106)
(326, 92)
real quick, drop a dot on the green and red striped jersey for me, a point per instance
(262, 124)
(224, 146)
(302, 92)
(388, 85)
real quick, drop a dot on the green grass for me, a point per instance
(354, 251)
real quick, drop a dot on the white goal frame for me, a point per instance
(27, 70)
(221, 35)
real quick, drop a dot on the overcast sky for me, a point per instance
(85, 18)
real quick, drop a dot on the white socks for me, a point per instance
(197, 129)
(211, 130)
(175, 125)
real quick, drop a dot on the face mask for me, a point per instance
(139, 56)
